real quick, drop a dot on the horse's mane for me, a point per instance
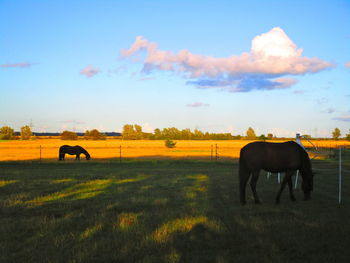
(83, 150)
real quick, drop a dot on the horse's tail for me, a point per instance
(243, 173)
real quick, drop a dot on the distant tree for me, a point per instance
(94, 135)
(169, 143)
(251, 134)
(26, 132)
(348, 136)
(186, 134)
(87, 135)
(198, 135)
(269, 136)
(138, 132)
(6, 133)
(262, 137)
(69, 135)
(132, 132)
(336, 134)
(157, 134)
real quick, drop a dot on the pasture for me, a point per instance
(110, 148)
(166, 211)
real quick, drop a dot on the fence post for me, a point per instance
(120, 154)
(340, 177)
(296, 180)
(40, 153)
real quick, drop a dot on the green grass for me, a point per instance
(165, 211)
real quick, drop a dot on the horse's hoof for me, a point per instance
(277, 201)
(243, 202)
(258, 202)
(293, 199)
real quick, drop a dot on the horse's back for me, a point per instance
(64, 147)
(69, 149)
(273, 157)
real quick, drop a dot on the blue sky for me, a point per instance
(279, 67)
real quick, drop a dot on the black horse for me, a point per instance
(72, 150)
(285, 157)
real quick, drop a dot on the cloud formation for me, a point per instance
(16, 65)
(89, 71)
(343, 118)
(273, 57)
(197, 105)
(330, 110)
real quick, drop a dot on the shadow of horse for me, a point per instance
(72, 150)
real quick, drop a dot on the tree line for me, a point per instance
(134, 132)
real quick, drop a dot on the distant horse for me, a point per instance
(72, 150)
(285, 157)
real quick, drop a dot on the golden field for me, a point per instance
(30, 150)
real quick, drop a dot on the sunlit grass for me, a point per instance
(182, 225)
(79, 191)
(90, 231)
(66, 180)
(126, 221)
(30, 150)
(7, 182)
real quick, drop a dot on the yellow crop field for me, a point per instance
(110, 148)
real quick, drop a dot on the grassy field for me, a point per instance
(165, 211)
(30, 150)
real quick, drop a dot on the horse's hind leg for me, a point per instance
(253, 182)
(290, 186)
(286, 179)
(243, 179)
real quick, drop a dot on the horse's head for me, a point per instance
(308, 185)
(87, 156)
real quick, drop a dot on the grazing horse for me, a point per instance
(72, 150)
(285, 157)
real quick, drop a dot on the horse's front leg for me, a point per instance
(77, 157)
(290, 186)
(253, 183)
(284, 182)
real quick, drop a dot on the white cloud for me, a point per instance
(146, 127)
(230, 129)
(330, 110)
(343, 118)
(197, 104)
(16, 65)
(89, 71)
(322, 100)
(298, 92)
(273, 56)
